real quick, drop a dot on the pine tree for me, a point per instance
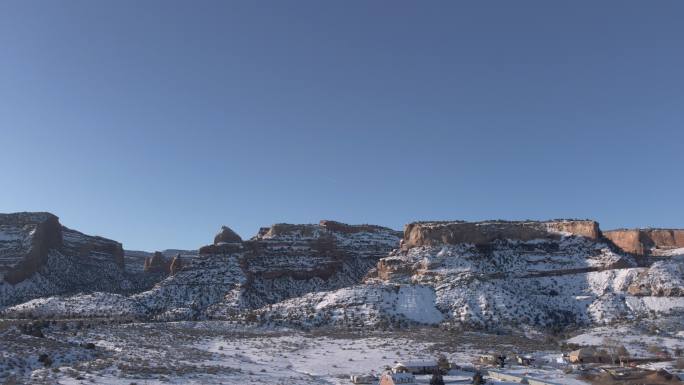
(478, 379)
(436, 378)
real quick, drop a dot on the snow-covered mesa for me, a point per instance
(546, 274)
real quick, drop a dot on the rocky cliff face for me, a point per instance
(490, 274)
(157, 263)
(487, 274)
(226, 235)
(280, 262)
(176, 264)
(25, 241)
(39, 256)
(481, 233)
(646, 242)
(307, 258)
(136, 260)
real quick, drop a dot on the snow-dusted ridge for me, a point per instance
(545, 274)
(39, 258)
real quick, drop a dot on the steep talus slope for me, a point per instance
(39, 257)
(548, 274)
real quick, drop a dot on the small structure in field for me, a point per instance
(493, 359)
(488, 359)
(588, 356)
(363, 378)
(392, 378)
(524, 360)
(633, 376)
(417, 367)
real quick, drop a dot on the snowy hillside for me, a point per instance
(281, 262)
(39, 257)
(456, 274)
(551, 281)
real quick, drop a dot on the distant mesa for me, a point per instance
(329, 226)
(344, 228)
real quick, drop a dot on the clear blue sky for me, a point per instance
(153, 123)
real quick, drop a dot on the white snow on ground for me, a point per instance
(225, 353)
(211, 352)
(669, 253)
(417, 303)
(322, 357)
(362, 304)
(637, 340)
(663, 305)
(96, 304)
(10, 236)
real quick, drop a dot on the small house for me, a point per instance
(493, 359)
(363, 379)
(588, 355)
(524, 360)
(417, 367)
(391, 378)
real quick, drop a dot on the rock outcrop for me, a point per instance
(25, 241)
(280, 262)
(157, 263)
(176, 264)
(344, 228)
(548, 274)
(481, 233)
(88, 246)
(40, 257)
(310, 257)
(664, 278)
(307, 251)
(645, 242)
(226, 242)
(135, 259)
(488, 274)
(226, 235)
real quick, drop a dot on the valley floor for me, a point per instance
(212, 352)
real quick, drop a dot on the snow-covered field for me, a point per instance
(100, 351)
(215, 352)
(647, 339)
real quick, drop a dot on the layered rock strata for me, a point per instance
(644, 242)
(480, 233)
